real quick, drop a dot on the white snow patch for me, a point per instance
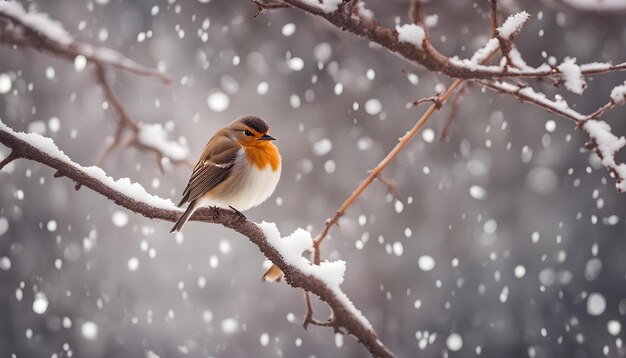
(595, 66)
(618, 94)
(330, 273)
(608, 145)
(597, 5)
(155, 136)
(513, 24)
(364, 13)
(326, 6)
(411, 33)
(484, 52)
(558, 104)
(39, 22)
(573, 76)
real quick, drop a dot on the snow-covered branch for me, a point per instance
(36, 30)
(411, 42)
(406, 41)
(323, 280)
(605, 143)
(595, 6)
(143, 136)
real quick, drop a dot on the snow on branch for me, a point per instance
(602, 6)
(618, 94)
(291, 249)
(573, 76)
(513, 25)
(605, 143)
(156, 137)
(286, 253)
(412, 34)
(143, 136)
(37, 22)
(403, 43)
(38, 31)
(411, 42)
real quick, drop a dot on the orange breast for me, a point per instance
(263, 154)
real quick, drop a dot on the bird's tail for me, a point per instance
(273, 274)
(183, 219)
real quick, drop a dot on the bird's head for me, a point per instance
(249, 130)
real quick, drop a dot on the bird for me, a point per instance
(239, 168)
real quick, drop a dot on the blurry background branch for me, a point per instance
(36, 31)
(592, 6)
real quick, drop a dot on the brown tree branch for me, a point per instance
(597, 7)
(342, 315)
(493, 12)
(455, 105)
(374, 173)
(438, 102)
(8, 159)
(15, 31)
(528, 95)
(126, 122)
(262, 6)
(428, 56)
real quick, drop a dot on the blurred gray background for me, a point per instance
(523, 226)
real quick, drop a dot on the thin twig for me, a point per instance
(455, 105)
(438, 102)
(391, 185)
(308, 318)
(263, 6)
(433, 99)
(374, 173)
(493, 7)
(124, 121)
(8, 159)
(23, 34)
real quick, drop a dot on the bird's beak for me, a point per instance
(267, 137)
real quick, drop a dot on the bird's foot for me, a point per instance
(241, 216)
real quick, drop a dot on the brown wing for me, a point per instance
(216, 162)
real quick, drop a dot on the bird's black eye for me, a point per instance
(248, 133)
